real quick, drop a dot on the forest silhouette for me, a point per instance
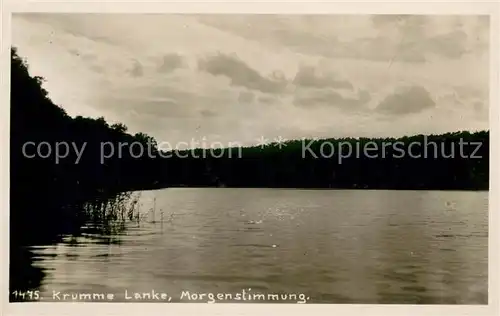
(46, 198)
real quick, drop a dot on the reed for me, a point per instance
(113, 209)
(154, 210)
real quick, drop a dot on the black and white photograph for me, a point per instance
(249, 158)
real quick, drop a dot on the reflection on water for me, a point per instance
(332, 246)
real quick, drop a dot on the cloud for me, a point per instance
(265, 99)
(185, 85)
(74, 52)
(326, 35)
(478, 106)
(208, 113)
(329, 97)
(411, 25)
(467, 92)
(97, 68)
(142, 105)
(384, 20)
(407, 38)
(306, 76)
(246, 97)
(450, 45)
(481, 110)
(407, 100)
(240, 73)
(293, 31)
(412, 49)
(448, 37)
(90, 59)
(83, 55)
(170, 62)
(137, 69)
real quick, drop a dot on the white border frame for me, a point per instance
(283, 7)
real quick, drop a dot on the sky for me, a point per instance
(238, 78)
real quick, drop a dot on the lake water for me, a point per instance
(415, 247)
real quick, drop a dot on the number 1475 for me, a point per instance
(30, 295)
